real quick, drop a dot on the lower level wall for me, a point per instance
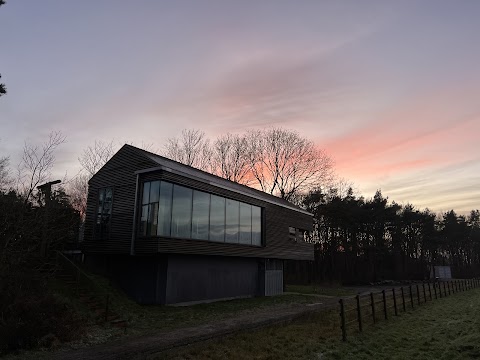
(171, 279)
(197, 278)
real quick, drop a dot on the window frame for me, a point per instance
(210, 193)
(108, 226)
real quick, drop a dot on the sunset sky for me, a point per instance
(390, 89)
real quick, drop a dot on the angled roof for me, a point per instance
(200, 175)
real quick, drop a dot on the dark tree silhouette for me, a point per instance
(362, 241)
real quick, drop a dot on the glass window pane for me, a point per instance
(101, 198)
(232, 221)
(152, 219)
(201, 206)
(245, 224)
(146, 193)
(256, 226)
(143, 221)
(182, 212)
(165, 209)
(217, 218)
(107, 202)
(154, 191)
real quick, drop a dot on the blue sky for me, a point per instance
(389, 88)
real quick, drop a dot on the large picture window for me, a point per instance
(172, 210)
(104, 213)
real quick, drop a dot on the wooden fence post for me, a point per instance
(444, 289)
(424, 293)
(77, 281)
(429, 290)
(359, 314)
(403, 300)
(411, 295)
(440, 290)
(342, 319)
(418, 294)
(448, 285)
(435, 289)
(384, 304)
(372, 301)
(106, 307)
(395, 302)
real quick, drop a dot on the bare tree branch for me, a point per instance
(5, 180)
(285, 164)
(37, 163)
(192, 149)
(230, 158)
(94, 157)
(77, 190)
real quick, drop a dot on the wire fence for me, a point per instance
(365, 310)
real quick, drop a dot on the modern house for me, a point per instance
(169, 233)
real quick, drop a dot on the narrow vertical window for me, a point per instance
(245, 224)
(200, 215)
(165, 209)
(104, 213)
(256, 226)
(232, 221)
(149, 215)
(182, 212)
(217, 218)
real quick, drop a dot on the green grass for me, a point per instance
(447, 328)
(144, 319)
(155, 319)
(148, 319)
(336, 291)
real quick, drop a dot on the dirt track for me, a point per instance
(145, 346)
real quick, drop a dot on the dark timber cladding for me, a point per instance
(120, 174)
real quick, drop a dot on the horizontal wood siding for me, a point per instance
(277, 219)
(118, 173)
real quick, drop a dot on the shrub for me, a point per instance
(31, 316)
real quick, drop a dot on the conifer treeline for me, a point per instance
(361, 240)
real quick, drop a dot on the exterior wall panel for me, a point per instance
(118, 173)
(197, 278)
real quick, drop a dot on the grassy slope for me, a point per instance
(148, 319)
(447, 328)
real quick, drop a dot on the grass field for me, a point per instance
(447, 328)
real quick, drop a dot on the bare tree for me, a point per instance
(94, 157)
(285, 164)
(230, 158)
(77, 190)
(4, 172)
(192, 149)
(37, 163)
